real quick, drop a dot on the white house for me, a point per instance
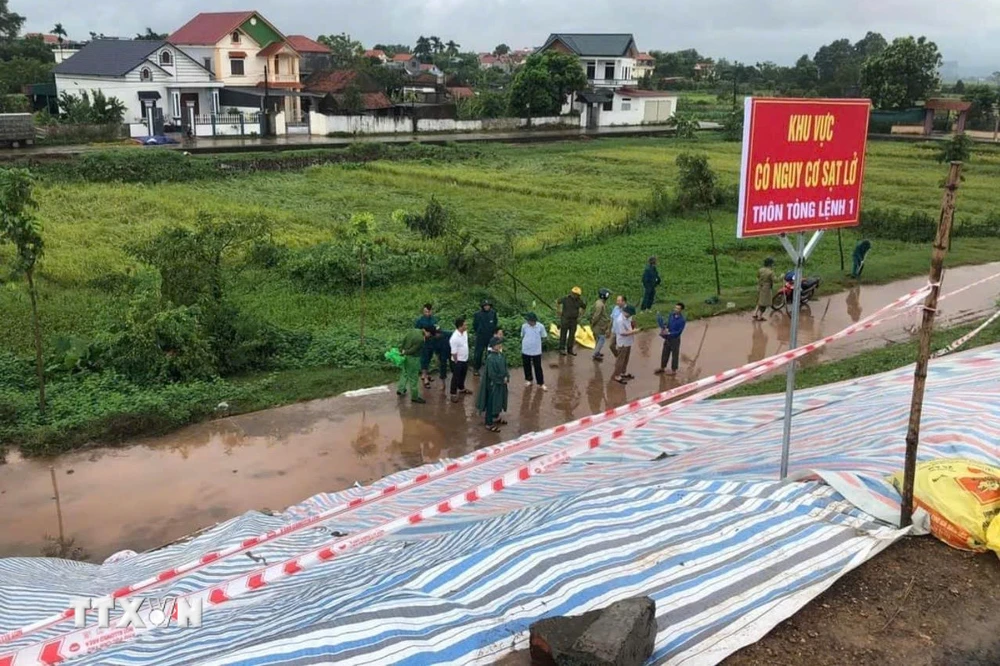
(154, 79)
(610, 63)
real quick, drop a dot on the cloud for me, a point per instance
(748, 30)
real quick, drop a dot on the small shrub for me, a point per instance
(332, 266)
(686, 125)
(732, 128)
(894, 224)
(432, 223)
(140, 165)
(956, 149)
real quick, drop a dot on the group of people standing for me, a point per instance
(614, 328)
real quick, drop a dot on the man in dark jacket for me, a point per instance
(426, 320)
(671, 329)
(650, 281)
(571, 307)
(484, 325)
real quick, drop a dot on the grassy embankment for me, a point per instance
(565, 205)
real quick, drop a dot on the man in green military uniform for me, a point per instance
(409, 373)
(571, 307)
(492, 398)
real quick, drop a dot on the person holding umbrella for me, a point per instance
(765, 285)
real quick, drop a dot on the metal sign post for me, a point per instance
(799, 255)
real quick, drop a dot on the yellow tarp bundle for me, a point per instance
(962, 498)
(584, 336)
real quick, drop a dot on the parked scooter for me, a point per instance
(785, 297)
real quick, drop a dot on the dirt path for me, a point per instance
(918, 603)
(158, 490)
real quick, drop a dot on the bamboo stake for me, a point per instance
(941, 243)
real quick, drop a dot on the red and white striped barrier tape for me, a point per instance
(965, 338)
(86, 641)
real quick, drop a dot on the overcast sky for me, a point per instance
(747, 30)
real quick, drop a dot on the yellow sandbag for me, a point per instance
(584, 336)
(962, 498)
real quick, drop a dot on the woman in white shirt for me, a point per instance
(532, 334)
(459, 344)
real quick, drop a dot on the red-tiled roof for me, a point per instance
(402, 57)
(280, 84)
(207, 28)
(331, 82)
(374, 53)
(426, 68)
(488, 58)
(461, 92)
(272, 48)
(645, 56)
(304, 44)
(48, 39)
(376, 100)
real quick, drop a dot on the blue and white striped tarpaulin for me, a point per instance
(724, 549)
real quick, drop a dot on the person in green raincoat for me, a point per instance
(492, 398)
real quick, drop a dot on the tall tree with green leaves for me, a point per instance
(345, 53)
(543, 83)
(903, 74)
(451, 48)
(60, 32)
(501, 50)
(10, 23)
(19, 227)
(151, 35)
(697, 188)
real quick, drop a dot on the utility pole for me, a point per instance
(941, 242)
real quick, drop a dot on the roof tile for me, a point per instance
(207, 28)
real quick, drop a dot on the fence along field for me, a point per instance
(562, 206)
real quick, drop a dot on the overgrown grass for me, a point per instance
(867, 363)
(563, 204)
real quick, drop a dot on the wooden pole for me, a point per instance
(941, 242)
(840, 244)
(55, 492)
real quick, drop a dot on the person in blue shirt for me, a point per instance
(532, 334)
(671, 329)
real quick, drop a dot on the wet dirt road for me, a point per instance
(161, 489)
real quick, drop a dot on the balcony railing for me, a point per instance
(611, 83)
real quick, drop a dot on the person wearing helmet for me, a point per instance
(765, 285)
(650, 281)
(600, 322)
(570, 309)
(484, 324)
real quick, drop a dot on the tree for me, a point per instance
(451, 48)
(60, 32)
(19, 228)
(995, 77)
(422, 49)
(541, 86)
(352, 103)
(805, 75)
(983, 98)
(959, 87)
(10, 23)
(501, 50)
(392, 49)
(697, 187)
(437, 45)
(901, 75)
(362, 232)
(836, 68)
(19, 72)
(149, 35)
(101, 110)
(345, 53)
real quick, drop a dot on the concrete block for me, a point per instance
(620, 635)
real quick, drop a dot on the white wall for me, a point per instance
(321, 125)
(126, 91)
(199, 53)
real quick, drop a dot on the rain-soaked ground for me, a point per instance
(160, 489)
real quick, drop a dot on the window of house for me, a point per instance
(145, 74)
(276, 70)
(165, 58)
(208, 63)
(591, 70)
(626, 104)
(626, 73)
(607, 106)
(609, 70)
(235, 36)
(236, 67)
(175, 103)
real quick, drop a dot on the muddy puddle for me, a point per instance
(154, 491)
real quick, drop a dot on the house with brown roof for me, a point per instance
(377, 54)
(407, 62)
(313, 56)
(250, 56)
(334, 89)
(645, 64)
